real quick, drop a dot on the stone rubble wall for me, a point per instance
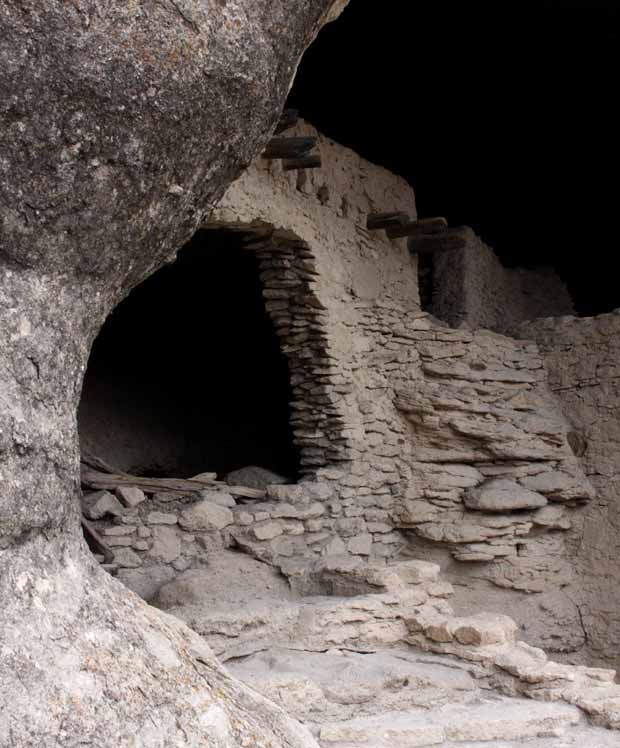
(492, 485)
(445, 443)
(385, 347)
(415, 438)
(472, 288)
(582, 357)
(325, 211)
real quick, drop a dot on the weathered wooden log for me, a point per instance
(448, 240)
(182, 486)
(377, 221)
(96, 463)
(95, 541)
(289, 118)
(415, 228)
(307, 162)
(110, 481)
(289, 147)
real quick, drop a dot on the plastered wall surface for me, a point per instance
(472, 288)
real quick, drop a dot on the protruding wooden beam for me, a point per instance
(289, 118)
(307, 162)
(416, 228)
(377, 221)
(293, 148)
(448, 240)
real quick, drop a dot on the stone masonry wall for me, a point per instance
(471, 287)
(456, 448)
(326, 210)
(582, 357)
(415, 438)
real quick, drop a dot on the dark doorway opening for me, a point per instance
(187, 375)
(426, 280)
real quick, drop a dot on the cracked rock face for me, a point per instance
(120, 125)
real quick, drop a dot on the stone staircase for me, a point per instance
(394, 699)
(374, 657)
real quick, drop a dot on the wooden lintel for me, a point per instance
(307, 162)
(448, 240)
(377, 221)
(289, 147)
(418, 228)
(289, 118)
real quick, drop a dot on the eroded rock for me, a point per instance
(101, 184)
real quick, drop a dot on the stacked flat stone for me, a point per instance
(442, 442)
(288, 271)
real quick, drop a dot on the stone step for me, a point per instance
(493, 720)
(586, 738)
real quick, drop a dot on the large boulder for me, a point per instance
(121, 124)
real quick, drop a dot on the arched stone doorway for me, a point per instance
(187, 374)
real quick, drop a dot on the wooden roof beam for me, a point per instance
(417, 228)
(293, 148)
(376, 221)
(450, 239)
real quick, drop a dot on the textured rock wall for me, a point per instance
(120, 124)
(471, 287)
(582, 357)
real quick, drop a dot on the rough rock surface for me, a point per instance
(582, 357)
(120, 125)
(373, 655)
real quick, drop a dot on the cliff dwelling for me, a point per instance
(309, 410)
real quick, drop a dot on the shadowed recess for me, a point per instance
(187, 374)
(502, 116)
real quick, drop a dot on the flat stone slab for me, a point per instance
(509, 719)
(502, 495)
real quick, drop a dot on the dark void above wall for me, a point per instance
(502, 116)
(187, 375)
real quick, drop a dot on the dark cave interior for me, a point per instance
(187, 375)
(502, 116)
